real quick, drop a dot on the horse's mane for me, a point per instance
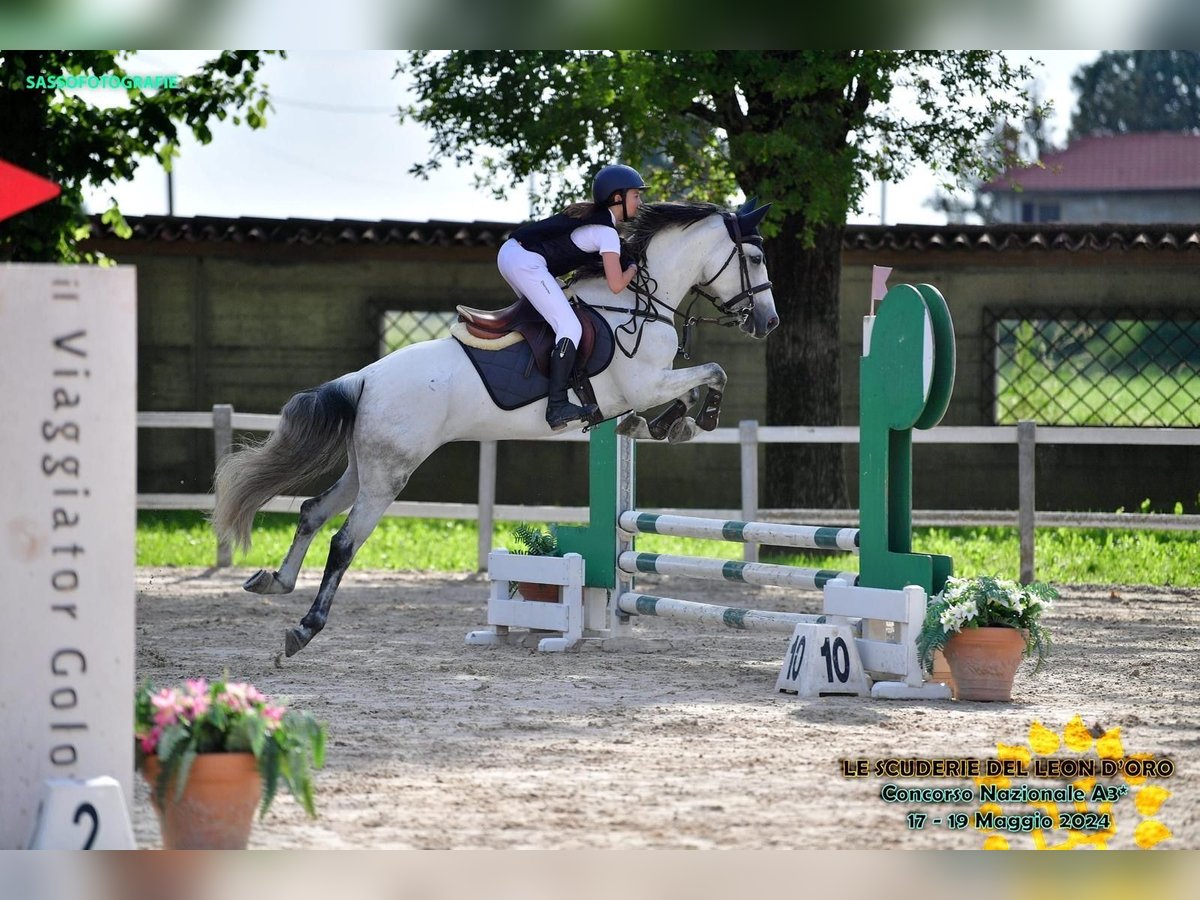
(649, 221)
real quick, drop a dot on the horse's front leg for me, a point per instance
(681, 385)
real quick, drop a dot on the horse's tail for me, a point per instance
(313, 429)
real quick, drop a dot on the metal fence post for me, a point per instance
(222, 414)
(487, 499)
(748, 439)
(1026, 447)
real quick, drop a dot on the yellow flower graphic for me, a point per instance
(1149, 799)
(1014, 751)
(1042, 740)
(1109, 746)
(1093, 821)
(1150, 832)
(1077, 736)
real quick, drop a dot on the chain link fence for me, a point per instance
(399, 328)
(1093, 367)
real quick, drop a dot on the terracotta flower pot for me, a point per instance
(543, 593)
(218, 804)
(941, 672)
(984, 661)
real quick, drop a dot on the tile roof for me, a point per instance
(310, 232)
(901, 237)
(1006, 237)
(1150, 161)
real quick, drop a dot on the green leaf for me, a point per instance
(186, 759)
(113, 218)
(268, 767)
(172, 739)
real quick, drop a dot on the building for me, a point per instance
(1136, 178)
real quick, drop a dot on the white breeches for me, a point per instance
(526, 273)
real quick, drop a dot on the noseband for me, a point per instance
(748, 290)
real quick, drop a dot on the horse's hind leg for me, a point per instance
(368, 508)
(314, 513)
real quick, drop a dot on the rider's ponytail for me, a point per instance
(580, 210)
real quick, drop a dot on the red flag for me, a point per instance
(21, 190)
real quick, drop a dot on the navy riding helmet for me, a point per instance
(611, 179)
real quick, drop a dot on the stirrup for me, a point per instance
(567, 413)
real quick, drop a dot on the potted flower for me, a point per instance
(212, 753)
(984, 626)
(535, 542)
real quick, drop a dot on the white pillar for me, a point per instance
(68, 348)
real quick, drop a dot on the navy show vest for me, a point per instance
(551, 238)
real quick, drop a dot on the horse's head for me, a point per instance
(735, 278)
(686, 246)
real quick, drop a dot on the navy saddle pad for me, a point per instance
(513, 380)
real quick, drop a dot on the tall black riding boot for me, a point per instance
(560, 411)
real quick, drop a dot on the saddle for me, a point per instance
(510, 349)
(523, 319)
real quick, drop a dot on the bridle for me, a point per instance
(737, 308)
(748, 290)
(734, 311)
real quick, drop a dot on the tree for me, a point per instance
(1138, 90)
(60, 134)
(804, 129)
(1010, 145)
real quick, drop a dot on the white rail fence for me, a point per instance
(223, 421)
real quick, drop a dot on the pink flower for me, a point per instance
(197, 687)
(150, 739)
(273, 715)
(240, 696)
(195, 705)
(168, 706)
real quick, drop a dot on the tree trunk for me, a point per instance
(804, 367)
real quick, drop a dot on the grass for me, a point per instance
(1146, 399)
(1064, 555)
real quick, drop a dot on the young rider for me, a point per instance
(539, 251)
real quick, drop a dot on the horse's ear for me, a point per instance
(748, 221)
(747, 206)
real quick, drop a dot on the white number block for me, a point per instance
(822, 661)
(82, 815)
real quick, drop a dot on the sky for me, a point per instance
(333, 149)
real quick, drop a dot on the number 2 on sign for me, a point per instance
(837, 660)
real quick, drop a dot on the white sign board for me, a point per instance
(68, 404)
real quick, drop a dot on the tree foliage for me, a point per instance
(1010, 145)
(1138, 90)
(65, 135)
(804, 129)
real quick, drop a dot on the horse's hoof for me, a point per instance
(264, 582)
(296, 639)
(629, 425)
(634, 427)
(682, 431)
